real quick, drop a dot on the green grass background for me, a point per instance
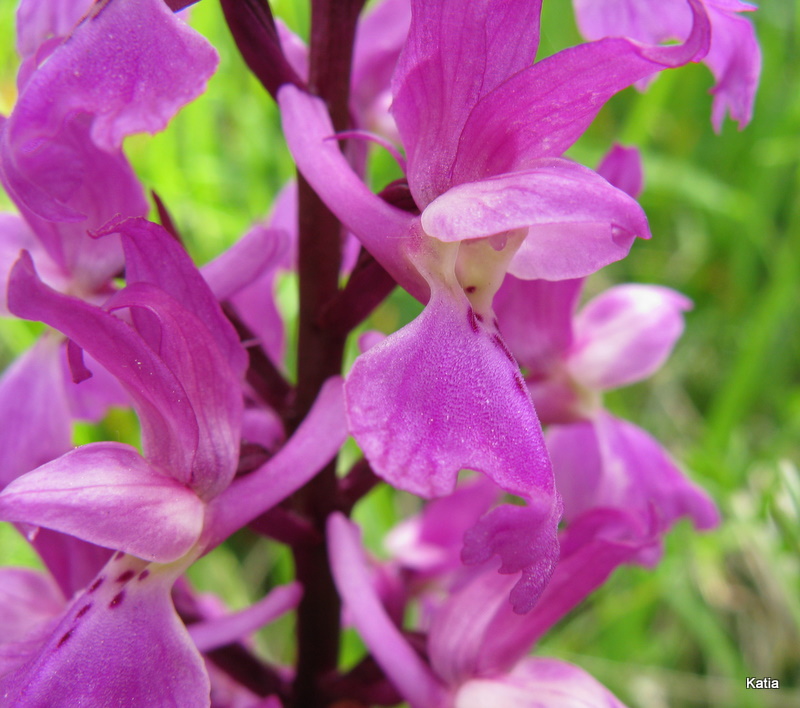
(725, 216)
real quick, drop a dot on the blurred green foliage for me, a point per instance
(725, 216)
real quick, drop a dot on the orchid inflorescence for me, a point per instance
(491, 228)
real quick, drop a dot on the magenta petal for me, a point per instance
(577, 221)
(550, 191)
(169, 426)
(186, 346)
(443, 394)
(128, 68)
(625, 334)
(636, 19)
(28, 598)
(386, 232)
(91, 398)
(591, 549)
(283, 217)
(30, 602)
(119, 644)
(457, 52)
(153, 256)
(535, 318)
(404, 667)
(38, 20)
(622, 167)
(133, 64)
(106, 493)
(526, 540)
(188, 399)
(21, 172)
(538, 683)
(34, 415)
(72, 562)
(543, 110)
(610, 463)
(261, 250)
(69, 172)
(651, 23)
(476, 632)
(431, 541)
(369, 339)
(264, 427)
(735, 61)
(256, 306)
(733, 57)
(566, 251)
(464, 623)
(245, 275)
(380, 36)
(15, 236)
(313, 445)
(220, 631)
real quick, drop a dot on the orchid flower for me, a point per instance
(464, 609)
(734, 56)
(492, 229)
(68, 179)
(475, 654)
(122, 49)
(483, 131)
(61, 164)
(161, 509)
(621, 336)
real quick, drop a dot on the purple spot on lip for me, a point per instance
(520, 383)
(83, 610)
(116, 601)
(144, 574)
(96, 584)
(479, 317)
(500, 344)
(473, 323)
(64, 639)
(126, 576)
(97, 8)
(470, 289)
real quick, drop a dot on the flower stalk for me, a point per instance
(320, 350)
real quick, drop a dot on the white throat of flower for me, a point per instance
(481, 266)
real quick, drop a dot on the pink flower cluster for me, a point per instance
(491, 228)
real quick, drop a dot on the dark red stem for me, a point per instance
(320, 352)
